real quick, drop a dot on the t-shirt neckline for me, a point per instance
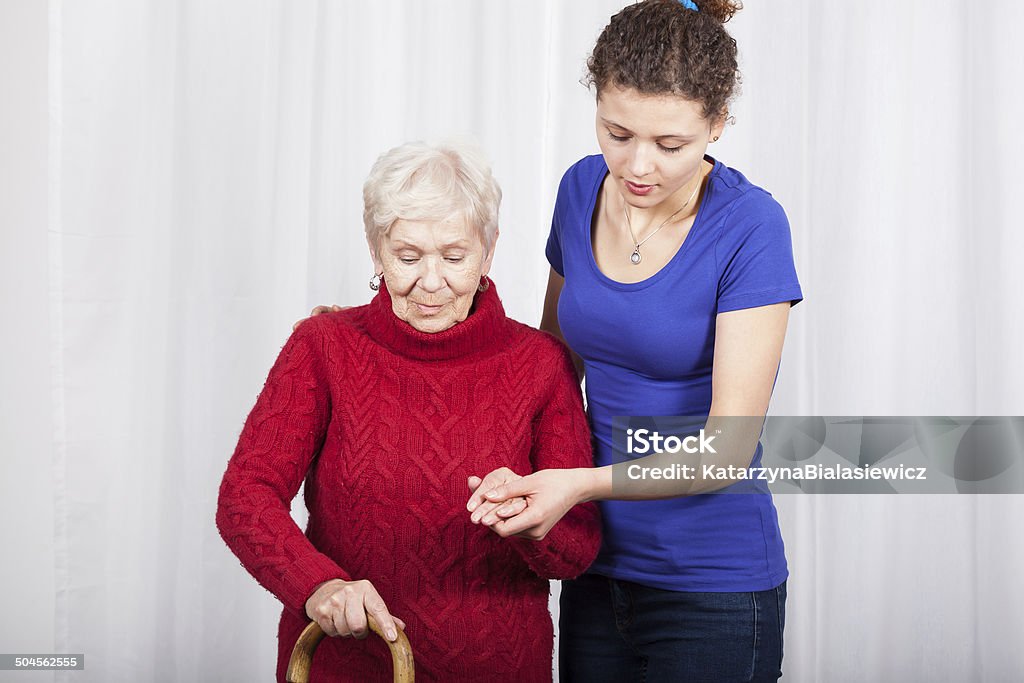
(678, 256)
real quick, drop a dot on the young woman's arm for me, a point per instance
(748, 347)
(549, 318)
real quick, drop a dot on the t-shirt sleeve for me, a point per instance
(565, 205)
(554, 247)
(754, 254)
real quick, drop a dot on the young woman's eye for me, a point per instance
(670, 150)
(617, 138)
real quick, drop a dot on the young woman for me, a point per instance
(671, 280)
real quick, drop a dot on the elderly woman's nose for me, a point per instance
(431, 275)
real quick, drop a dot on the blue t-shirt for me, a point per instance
(648, 349)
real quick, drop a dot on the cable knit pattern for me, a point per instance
(385, 424)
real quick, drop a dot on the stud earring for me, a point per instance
(375, 281)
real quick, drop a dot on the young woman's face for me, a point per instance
(653, 144)
(432, 269)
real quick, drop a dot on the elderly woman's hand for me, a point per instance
(342, 607)
(487, 512)
(549, 495)
(317, 311)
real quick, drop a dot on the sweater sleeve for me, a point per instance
(281, 437)
(561, 439)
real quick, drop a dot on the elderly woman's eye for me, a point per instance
(408, 259)
(454, 259)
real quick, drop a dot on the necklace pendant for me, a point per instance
(635, 258)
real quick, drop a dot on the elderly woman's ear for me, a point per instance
(378, 267)
(489, 257)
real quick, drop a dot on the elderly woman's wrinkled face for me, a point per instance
(432, 270)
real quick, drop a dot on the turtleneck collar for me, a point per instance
(485, 329)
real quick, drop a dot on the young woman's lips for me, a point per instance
(640, 190)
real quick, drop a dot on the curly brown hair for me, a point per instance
(660, 47)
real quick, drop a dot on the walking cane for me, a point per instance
(302, 654)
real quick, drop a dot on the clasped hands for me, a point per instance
(513, 505)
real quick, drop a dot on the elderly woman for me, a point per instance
(387, 411)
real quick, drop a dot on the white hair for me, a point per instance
(431, 182)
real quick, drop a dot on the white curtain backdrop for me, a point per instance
(203, 170)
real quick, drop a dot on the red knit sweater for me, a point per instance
(384, 424)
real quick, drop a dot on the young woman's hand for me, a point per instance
(317, 311)
(486, 512)
(549, 494)
(342, 608)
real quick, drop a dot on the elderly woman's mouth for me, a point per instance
(427, 309)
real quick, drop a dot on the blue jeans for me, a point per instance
(618, 631)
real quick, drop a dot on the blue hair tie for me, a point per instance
(689, 4)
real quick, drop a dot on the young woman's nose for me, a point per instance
(641, 161)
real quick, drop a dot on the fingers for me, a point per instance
(346, 611)
(355, 611)
(378, 611)
(325, 615)
(493, 512)
(497, 494)
(492, 480)
(476, 496)
(339, 606)
(526, 524)
(511, 508)
(317, 607)
(485, 509)
(326, 623)
(506, 490)
(341, 618)
(316, 311)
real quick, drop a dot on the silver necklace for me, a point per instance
(635, 257)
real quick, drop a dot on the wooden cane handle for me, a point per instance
(302, 654)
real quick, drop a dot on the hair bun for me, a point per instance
(720, 10)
